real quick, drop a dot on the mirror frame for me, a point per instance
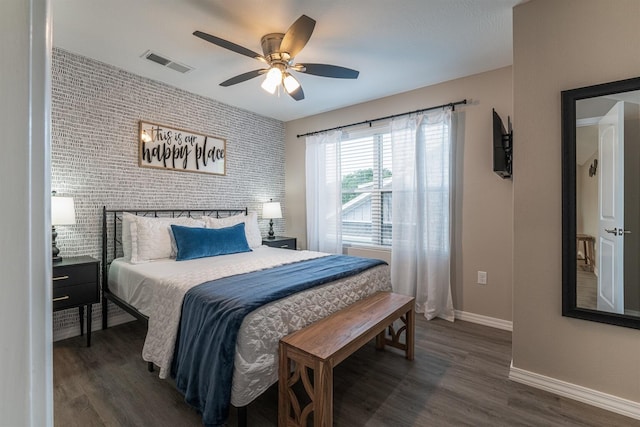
(569, 255)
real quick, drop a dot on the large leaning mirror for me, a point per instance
(601, 203)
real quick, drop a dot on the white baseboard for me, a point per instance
(74, 331)
(505, 325)
(582, 394)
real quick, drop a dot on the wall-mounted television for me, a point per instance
(502, 147)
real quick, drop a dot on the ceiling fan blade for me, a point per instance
(228, 45)
(297, 35)
(297, 94)
(326, 70)
(243, 77)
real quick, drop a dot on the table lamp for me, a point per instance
(63, 212)
(271, 210)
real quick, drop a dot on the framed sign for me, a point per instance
(164, 147)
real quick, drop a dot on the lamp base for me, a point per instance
(54, 249)
(271, 233)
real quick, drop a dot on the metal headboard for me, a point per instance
(112, 243)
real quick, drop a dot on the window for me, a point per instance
(366, 173)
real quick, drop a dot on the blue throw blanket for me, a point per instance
(213, 312)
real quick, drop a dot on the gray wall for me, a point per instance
(94, 158)
(560, 45)
(631, 207)
(483, 209)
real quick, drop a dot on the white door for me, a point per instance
(611, 211)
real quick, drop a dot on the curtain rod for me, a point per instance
(451, 105)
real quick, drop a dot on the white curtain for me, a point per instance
(324, 207)
(422, 199)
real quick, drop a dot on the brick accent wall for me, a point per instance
(94, 155)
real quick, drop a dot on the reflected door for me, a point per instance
(611, 211)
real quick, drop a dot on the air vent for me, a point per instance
(178, 67)
(158, 59)
(166, 62)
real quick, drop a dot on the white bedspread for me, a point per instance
(256, 360)
(159, 288)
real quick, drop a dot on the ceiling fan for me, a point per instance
(279, 51)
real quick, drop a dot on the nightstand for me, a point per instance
(281, 242)
(75, 284)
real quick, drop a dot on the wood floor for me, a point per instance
(458, 378)
(586, 289)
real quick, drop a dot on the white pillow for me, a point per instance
(251, 228)
(127, 220)
(148, 238)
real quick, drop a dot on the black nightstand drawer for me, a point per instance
(75, 295)
(75, 284)
(74, 274)
(281, 242)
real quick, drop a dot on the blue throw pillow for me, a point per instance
(196, 242)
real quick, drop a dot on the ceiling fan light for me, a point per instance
(273, 79)
(274, 76)
(269, 86)
(291, 84)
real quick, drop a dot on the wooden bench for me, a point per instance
(324, 344)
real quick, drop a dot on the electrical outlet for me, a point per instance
(482, 277)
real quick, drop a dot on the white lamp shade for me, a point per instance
(273, 79)
(291, 84)
(63, 211)
(269, 87)
(271, 210)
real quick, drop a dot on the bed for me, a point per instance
(155, 290)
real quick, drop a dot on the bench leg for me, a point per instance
(381, 339)
(409, 320)
(318, 390)
(410, 334)
(323, 395)
(284, 405)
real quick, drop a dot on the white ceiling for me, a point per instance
(396, 45)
